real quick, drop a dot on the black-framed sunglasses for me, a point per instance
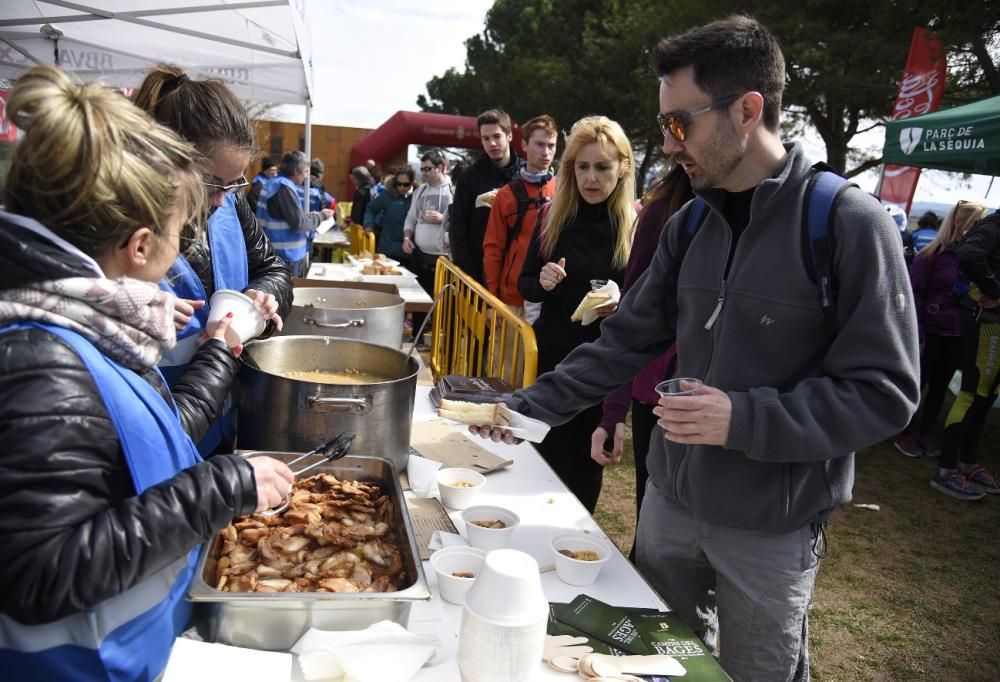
(675, 123)
(404, 184)
(216, 188)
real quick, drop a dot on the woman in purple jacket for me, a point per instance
(664, 199)
(934, 277)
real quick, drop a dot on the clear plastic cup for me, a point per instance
(679, 386)
(596, 284)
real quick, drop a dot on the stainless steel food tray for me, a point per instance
(275, 621)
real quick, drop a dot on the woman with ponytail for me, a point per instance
(233, 252)
(586, 234)
(104, 499)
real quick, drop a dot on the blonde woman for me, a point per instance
(933, 276)
(104, 500)
(586, 235)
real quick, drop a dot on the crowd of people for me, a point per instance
(108, 355)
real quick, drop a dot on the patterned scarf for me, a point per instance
(129, 320)
(536, 178)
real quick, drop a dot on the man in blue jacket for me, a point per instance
(745, 472)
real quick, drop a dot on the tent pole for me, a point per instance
(308, 150)
(992, 178)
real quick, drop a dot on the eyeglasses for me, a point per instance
(216, 188)
(404, 184)
(675, 123)
(426, 169)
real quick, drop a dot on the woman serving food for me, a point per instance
(104, 499)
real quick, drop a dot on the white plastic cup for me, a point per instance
(504, 620)
(577, 571)
(508, 590)
(248, 322)
(458, 487)
(679, 386)
(450, 560)
(489, 539)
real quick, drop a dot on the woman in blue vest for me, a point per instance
(233, 253)
(104, 499)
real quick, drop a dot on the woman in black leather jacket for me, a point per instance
(103, 498)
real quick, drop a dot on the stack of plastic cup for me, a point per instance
(504, 620)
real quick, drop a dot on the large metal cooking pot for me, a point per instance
(278, 413)
(347, 313)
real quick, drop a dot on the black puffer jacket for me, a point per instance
(268, 272)
(467, 223)
(72, 530)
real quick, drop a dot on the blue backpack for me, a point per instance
(823, 191)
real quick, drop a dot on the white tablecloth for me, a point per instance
(531, 489)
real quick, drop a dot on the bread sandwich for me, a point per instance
(478, 414)
(592, 300)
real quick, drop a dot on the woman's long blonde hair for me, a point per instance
(960, 218)
(621, 203)
(92, 167)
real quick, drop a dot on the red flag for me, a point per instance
(8, 133)
(919, 93)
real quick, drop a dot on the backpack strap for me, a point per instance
(823, 190)
(524, 202)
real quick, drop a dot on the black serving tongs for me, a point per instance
(330, 451)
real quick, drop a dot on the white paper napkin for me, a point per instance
(420, 472)
(193, 660)
(383, 651)
(441, 539)
(611, 288)
(325, 225)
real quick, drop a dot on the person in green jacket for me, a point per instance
(389, 209)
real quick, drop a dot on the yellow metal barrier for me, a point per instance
(476, 335)
(360, 241)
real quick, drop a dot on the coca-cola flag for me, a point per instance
(920, 93)
(8, 133)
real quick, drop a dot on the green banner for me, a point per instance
(964, 139)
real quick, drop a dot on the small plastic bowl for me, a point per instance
(248, 322)
(577, 571)
(451, 560)
(489, 539)
(458, 487)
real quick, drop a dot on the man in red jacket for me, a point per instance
(517, 209)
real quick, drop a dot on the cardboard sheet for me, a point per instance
(440, 441)
(427, 516)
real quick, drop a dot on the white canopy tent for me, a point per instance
(259, 49)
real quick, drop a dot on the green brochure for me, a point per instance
(636, 631)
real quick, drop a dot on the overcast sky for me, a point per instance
(373, 58)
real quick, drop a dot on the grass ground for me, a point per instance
(909, 592)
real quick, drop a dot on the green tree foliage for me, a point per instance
(570, 58)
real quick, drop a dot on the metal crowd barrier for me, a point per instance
(360, 241)
(476, 335)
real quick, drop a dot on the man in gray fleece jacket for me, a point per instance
(744, 473)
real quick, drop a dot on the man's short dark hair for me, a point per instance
(433, 157)
(294, 161)
(493, 117)
(729, 57)
(317, 167)
(543, 122)
(267, 162)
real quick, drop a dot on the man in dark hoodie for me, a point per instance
(495, 168)
(744, 472)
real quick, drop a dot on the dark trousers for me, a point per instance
(942, 356)
(423, 266)
(643, 423)
(980, 379)
(567, 447)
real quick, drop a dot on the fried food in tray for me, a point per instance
(335, 536)
(378, 268)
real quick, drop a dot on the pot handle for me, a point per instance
(320, 403)
(332, 325)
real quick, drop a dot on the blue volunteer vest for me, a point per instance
(129, 636)
(228, 251)
(288, 243)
